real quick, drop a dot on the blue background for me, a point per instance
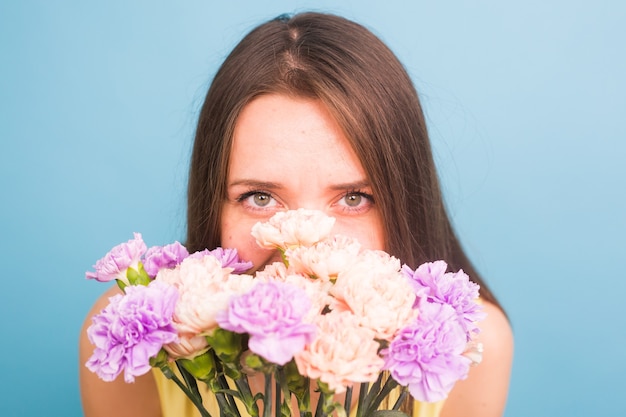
(526, 103)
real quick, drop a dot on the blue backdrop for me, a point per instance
(526, 103)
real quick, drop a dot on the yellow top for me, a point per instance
(174, 403)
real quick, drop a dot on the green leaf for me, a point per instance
(121, 284)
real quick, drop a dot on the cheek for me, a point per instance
(237, 235)
(369, 233)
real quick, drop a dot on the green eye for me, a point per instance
(353, 200)
(261, 199)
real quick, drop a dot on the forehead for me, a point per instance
(285, 134)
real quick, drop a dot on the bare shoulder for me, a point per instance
(485, 390)
(117, 398)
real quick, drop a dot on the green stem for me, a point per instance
(390, 384)
(371, 395)
(225, 407)
(282, 383)
(194, 399)
(229, 398)
(190, 381)
(277, 398)
(267, 399)
(246, 395)
(403, 394)
(226, 402)
(361, 403)
(348, 401)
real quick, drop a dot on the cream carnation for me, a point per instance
(343, 353)
(326, 259)
(375, 291)
(276, 271)
(187, 347)
(205, 288)
(293, 228)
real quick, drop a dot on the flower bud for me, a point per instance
(202, 367)
(227, 345)
(138, 276)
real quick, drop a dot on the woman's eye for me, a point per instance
(356, 200)
(261, 200)
(258, 199)
(353, 200)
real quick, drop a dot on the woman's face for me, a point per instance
(289, 153)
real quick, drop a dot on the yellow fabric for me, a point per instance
(174, 403)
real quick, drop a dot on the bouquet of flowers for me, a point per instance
(331, 317)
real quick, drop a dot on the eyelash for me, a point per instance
(359, 193)
(245, 196)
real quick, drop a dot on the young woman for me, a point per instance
(313, 111)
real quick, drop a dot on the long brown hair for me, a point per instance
(371, 96)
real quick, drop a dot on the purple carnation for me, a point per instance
(131, 330)
(427, 356)
(168, 256)
(454, 289)
(228, 257)
(272, 314)
(115, 263)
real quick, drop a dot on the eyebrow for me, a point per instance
(351, 185)
(276, 186)
(255, 184)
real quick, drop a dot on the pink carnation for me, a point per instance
(272, 314)
(454, 289)
(228, 257)
(342, 354)
(428, 356)
(115, 263)
(131, 330)
(316, 290)
(293, 228)
(159, 257)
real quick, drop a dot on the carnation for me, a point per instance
(428, 355)
(159, 257)
(187, 347)
(228, 257)
(374, 290)
(273, 315)
(326, 259)
(205, 288)
(454, 289)
(317, 291)
(342, 353)
(115, 263)
(287, 229)
(131, 330)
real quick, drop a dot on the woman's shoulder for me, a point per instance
(496, 333)
(484, 392)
